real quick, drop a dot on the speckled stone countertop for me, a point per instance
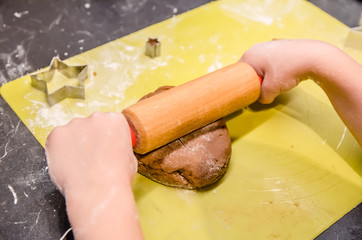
(31, 33)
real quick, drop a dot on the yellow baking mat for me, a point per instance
(295, 168)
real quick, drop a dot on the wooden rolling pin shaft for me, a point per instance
(178, 111)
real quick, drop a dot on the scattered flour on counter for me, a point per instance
(214, 39)
(132, 6)
(32, 179)
(160, 62)
(215, 65)
(120, 68)
(112, 65)
(187, 195)
(51, 117)
(14, 67)
(55, 22)
(80, 104)
(202, 58)
(94, 104)
(266, 12)
(20, 14)
(129, 48)
(250, 12)
(124, 67)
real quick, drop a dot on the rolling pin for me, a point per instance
(178, 111)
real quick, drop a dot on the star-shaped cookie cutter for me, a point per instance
(40, 80)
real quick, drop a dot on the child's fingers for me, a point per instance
(269, 91)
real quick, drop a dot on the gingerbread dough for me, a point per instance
(192, 161)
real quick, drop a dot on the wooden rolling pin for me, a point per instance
(178, 111)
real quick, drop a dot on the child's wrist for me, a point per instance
(87, 209)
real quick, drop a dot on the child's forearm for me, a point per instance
(340, 77)
(107, 212)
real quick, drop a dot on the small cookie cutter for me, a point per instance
(354, 38)
(153, 48)
(41, 80)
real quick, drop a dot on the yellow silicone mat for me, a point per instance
(295, 168)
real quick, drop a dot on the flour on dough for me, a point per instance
(193, 161)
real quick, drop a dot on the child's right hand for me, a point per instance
(282, 64)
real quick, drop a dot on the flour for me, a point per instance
(14, 66)
(54, 116)
(32, 179)
(49, 117)
(21, 14)
(214, 39)
(112, 65)
(108, 80)
(186, 195)
(265, 12)
(202, 58)
(207, 137)
(217, 64)
(124, 67)
(80, 104)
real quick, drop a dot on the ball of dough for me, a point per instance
(193, 161)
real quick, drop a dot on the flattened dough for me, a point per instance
(192, 161)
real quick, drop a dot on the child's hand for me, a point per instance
(91, 152)
(92, 162)
(282, 64)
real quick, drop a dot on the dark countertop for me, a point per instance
(31, 33)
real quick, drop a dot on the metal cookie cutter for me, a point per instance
(153, 48)
(41, 80)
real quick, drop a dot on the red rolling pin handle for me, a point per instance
(133, 136)
(260, 79)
